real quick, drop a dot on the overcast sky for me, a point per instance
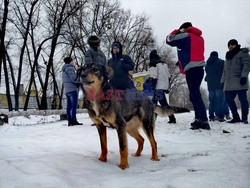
(219, 20)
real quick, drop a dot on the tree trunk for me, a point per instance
(3, 53)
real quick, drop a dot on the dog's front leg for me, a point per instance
(103, 139)
(122, 136)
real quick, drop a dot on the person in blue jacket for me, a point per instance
(121, 65)
(71, 86)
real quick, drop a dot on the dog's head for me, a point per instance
(95, 75)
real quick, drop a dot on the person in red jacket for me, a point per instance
(191, 61)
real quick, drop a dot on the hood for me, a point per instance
(119, 45)
(194, 30)
(212, 58)
(245, 50)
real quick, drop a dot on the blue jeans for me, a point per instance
(194, 78)
(216, 104)
(230, 98)
(72, 102)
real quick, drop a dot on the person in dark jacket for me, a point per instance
(214, 70)
(190, 46)
(71, 86)
(235, 80)
(121, 65)
(94, 54)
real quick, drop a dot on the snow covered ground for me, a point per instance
(45, 152)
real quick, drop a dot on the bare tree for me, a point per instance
(3, 52)
(23, 24)
(59, 12)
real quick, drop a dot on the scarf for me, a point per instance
(233, 52)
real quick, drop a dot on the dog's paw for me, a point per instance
(123, 166)
(136, 154)
(155, 159)
(103, 159)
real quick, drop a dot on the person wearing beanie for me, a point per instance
(121, 65)
(190, 44)
(94, 53)
(71, 86)
(159, 75)
(235, 80)
(216, 96)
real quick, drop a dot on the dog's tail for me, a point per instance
(167, 111)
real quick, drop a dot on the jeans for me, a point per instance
(194, 78)
(230, 97)
(216, 104)
(72, 103)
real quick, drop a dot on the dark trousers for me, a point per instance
(216, 103)
(230, 99)
(159, 95)
(194, 78)
(72, 102)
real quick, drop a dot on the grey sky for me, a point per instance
(219, 20)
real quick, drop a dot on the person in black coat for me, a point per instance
(121, 65)
(214, 70)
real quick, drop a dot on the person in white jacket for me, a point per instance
(159, 75)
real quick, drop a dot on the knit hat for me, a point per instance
(153, 55)
(232, 42)
(185, 25)
(67, 60)
(94, 41)
(214, 53)
(116, 44)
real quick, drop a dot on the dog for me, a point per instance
(126, 111)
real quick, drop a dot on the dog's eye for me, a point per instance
(94, 69)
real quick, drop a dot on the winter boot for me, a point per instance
(75, 122)
(236, 119)
(200, 125)
(70, 123)
(172, 119)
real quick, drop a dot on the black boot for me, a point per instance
(70, 123)
(236, 119)
(75, 122)
(200, 125)
(172, 119)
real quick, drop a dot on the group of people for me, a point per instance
(225, 80)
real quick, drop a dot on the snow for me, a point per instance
(41, 151)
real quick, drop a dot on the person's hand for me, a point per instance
(182, 30)
(243, 81)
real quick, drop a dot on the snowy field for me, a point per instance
(45, 152)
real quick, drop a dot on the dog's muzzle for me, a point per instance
(84, 80)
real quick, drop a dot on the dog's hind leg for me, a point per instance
(149, 131)
(132, 129)
(103, 139)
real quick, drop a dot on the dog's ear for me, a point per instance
(109, 72)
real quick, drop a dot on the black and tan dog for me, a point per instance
(125, 111)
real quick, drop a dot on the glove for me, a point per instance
(243, 81)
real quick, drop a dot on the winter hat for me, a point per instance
(116, 44)
(94, 41)
(214, 53)
(232, 42)
(67, 60)
(185, 25)
(153, 55)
